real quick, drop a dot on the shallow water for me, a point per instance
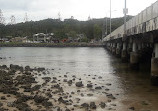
(132, 88)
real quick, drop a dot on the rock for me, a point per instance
(23, 107)
(69, 82)
(108, 84)
(82, 94)
(36, 87)
(3, 98)
(1, 104)
(106, 89)
(39, 99)
(132, 108)
(40, 69)
(67, 110)
(3, 67)
(89, 94)
(10, 104)
(16, 67)
(61, 100)
(102, 105)
(23, 98)
(53, 81)
(65, 80)
(54, 78)
(27, 68)
(65, 75)
(89, 85)
(92, 105)
(79, 84)
(49, 94)
(144, 103)
(47, 104)
(110, 96)
(98, 88)
(47, 79)
(85, 105)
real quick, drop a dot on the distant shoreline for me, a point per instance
(11, 44)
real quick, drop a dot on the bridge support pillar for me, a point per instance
(154, 66)
(118, 50)
(114, 48)
(124, 56)
(134, 57)
(110, 48)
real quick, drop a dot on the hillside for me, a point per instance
(91, 28)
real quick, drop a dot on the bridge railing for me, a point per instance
(145, 21)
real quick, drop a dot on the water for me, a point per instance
(132, 87)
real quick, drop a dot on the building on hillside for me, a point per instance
(39, 38)
(78, 38)
(45, 38)
(19, 39)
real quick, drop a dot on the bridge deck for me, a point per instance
(145, 21)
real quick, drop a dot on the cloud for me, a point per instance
(80, 9)
(14, 4)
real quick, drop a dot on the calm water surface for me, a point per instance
(133, 87)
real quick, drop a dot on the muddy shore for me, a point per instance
(11, 44)
(38, 89)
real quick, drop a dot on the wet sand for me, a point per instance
(40, 89)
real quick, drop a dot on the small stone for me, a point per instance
(3, 98)
(89, 85)
(98, 87)
(102, 105)
(85, 105)
(92, 105)
(79, 84)
(132, 108)
(89, 94)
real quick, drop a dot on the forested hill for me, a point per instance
(91, 28)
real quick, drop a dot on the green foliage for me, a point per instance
(62, 29)
(97, 32)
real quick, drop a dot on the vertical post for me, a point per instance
(124, 55)
(134, 48)
(134, 57)
(106, 25)
(118, 50)
(110, 18)
(154, 66)
(156, 50)
(125, 12)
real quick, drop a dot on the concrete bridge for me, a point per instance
(139, 42)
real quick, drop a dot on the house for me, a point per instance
(40, 37)
(45, 38)
(19, 39)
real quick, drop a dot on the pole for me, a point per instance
(106, 26)
(110, 18)
(125, 12)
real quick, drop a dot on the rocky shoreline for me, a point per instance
(50, 45)
(38, 89)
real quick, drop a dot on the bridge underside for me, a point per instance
(136, 49)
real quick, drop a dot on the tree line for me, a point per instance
(92, 29)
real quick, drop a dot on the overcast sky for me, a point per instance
(80, 9)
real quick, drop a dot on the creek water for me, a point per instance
(132, 88)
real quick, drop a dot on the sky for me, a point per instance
(79, 9)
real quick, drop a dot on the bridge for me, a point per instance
(139, 41)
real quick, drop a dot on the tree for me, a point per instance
(97, 32)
